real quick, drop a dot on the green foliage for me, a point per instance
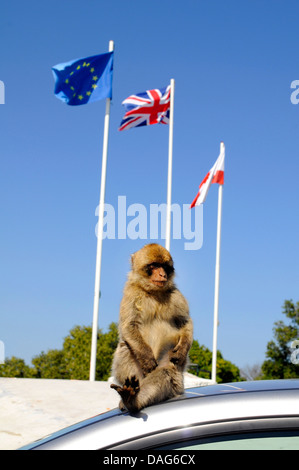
(72, 362)
(50, 365)
(76, 348)
(201, 357)
(15, 367)
(279, 365)
(106, 347)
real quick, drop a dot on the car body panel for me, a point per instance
(200, 411)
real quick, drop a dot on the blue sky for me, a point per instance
(233, 63)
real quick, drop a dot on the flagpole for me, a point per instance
(217, 276)
(169, 179)
(92, 371)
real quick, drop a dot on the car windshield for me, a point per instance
(280, 440)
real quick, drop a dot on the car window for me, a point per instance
(255, 441)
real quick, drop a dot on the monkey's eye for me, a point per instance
(168, 269)
(154, 265)
(149, 268)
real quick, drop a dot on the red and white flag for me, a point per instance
(215, 175)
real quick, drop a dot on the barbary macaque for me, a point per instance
(155, 332)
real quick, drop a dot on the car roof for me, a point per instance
(237, 387)
(198, 405)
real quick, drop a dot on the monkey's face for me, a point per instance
(154, 267)
(158, 273)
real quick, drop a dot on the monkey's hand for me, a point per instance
(144, 356)
(178, 355)
(147, 363)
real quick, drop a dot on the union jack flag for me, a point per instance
(143, 109)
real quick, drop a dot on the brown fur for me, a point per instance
(155, 332)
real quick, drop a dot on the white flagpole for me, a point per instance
(92, 371)
(217, 275)
(169, 179)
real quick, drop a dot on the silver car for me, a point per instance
(243, 415)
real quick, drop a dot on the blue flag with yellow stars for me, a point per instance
(82, 81)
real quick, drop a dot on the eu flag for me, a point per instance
(82, 81)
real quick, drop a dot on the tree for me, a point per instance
(280, 364)
(106, 346)
(50, 365)
(72, 361)
(76, 349)
(201, 356)
(14, 367)
(251, 372)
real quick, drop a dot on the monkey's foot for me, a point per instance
(128, 392)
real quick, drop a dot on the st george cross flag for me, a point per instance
(215, 175)
(82, 81)
(143, 109)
